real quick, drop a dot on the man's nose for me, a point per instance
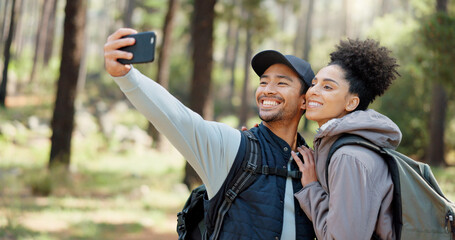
(270, 88)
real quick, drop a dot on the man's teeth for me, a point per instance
(269, 103)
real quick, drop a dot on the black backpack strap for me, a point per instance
(282, 172)
(351, 139)
(242, 180)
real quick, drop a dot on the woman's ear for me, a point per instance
(353, 102)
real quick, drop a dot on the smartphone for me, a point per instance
(143, 50)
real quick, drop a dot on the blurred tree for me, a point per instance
(307, 41)
(72, 50)
(164, 59)
(202, 36)
(230, 14)
(18, 38)
(385, 7)
(4, 8)
(345, 18)
(41, 35)
(49, 45)
(257, 26)
(439, 37)
(128, 13)
(244, 107)
(7, 51)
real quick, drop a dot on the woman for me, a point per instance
(358, 205)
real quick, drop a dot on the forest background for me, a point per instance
(77, 161)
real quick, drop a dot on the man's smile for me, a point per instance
(267, 102)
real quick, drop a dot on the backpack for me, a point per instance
(420, 209)
(191, 221)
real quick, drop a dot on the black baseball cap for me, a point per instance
(263, 60)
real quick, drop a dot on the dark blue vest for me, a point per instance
(257, 213)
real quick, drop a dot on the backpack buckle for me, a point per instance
(251, 167)
(230, 195)
(295, 174)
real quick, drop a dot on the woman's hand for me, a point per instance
(307, 166)
(244, 127)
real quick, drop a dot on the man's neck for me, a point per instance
(287, 132)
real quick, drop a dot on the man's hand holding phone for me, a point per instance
(126, 46)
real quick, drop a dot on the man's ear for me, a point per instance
(353, 102)
(303, 103)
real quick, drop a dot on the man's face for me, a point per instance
(278, 96)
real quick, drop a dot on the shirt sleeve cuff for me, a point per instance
(129, 81)
(306, 186)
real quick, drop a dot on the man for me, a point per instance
(266, 210)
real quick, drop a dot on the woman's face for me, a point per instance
(328, 96)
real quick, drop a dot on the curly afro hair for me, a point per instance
(368, 68)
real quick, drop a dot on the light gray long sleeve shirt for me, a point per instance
(209, 147)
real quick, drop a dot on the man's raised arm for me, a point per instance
(209, 147)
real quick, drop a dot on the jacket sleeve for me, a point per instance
(351, 208)
(209, 147)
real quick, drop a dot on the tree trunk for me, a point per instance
(307, 42)
(49, 45)
(345, 20)
(441, 6)
(202, 35)
(232, 69)
(230, 32)
(41, 33)
(385, 7)
(438, 113)
(437, 125)
(299, 27)
(3, 33)
(164, 60)
(128, 14)
(18, 38)
(243, 116)
(63, 117)
(6, 53)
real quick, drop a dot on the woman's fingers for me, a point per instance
(309, 154)
(306, 166)
(298, 161)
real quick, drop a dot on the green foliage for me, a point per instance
(438, 36)
(445, 178)
(407, 100)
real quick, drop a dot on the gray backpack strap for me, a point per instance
(349, 139)
(242, 180)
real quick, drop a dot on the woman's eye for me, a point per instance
(282, 83)
(327, 87)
